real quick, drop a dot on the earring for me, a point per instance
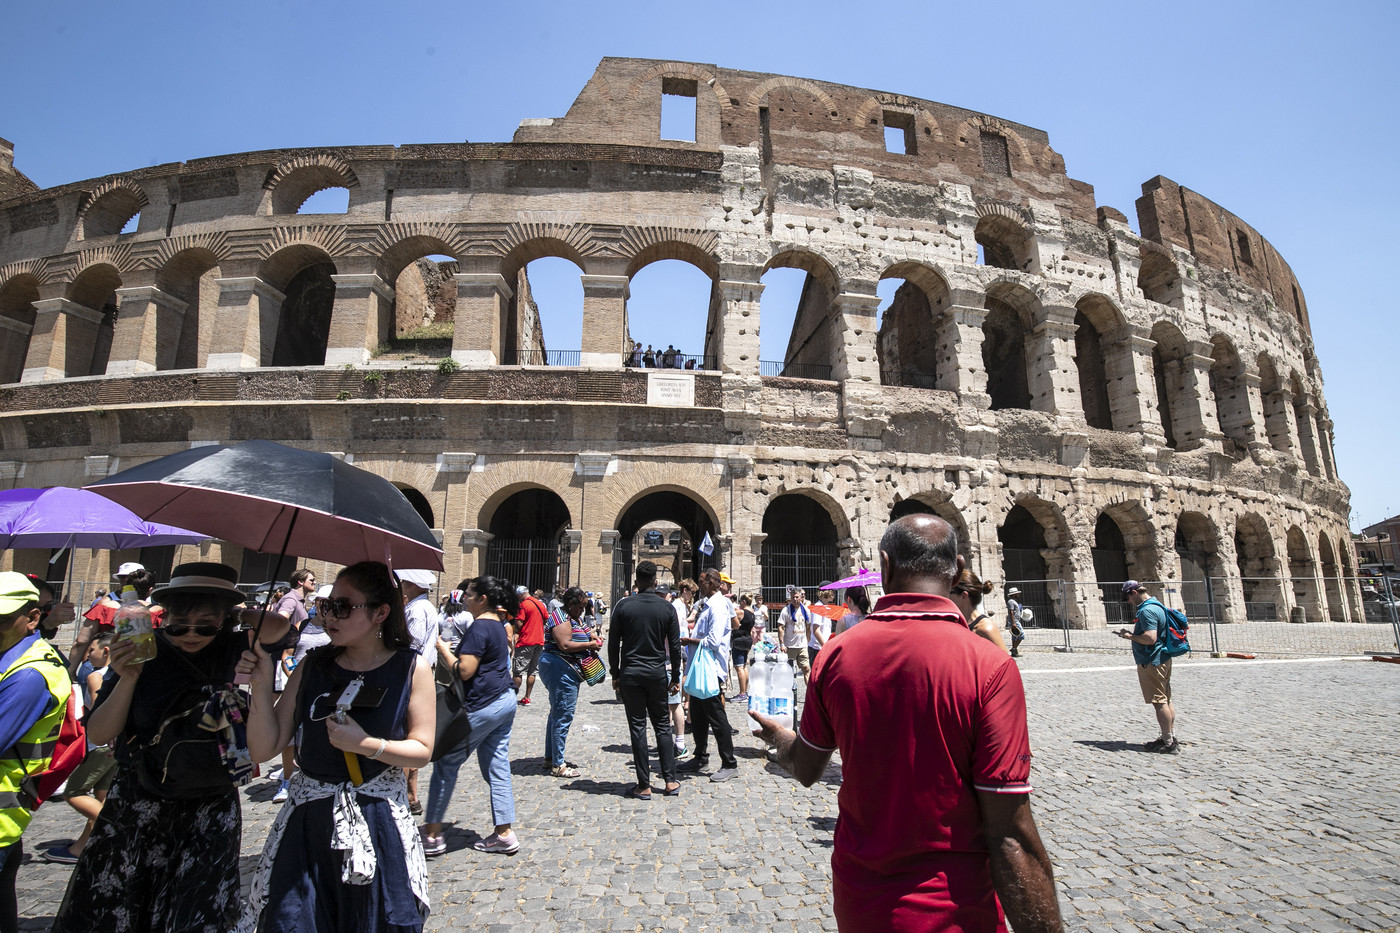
(379, 633)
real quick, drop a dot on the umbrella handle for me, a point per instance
(245, 679)
(352, 764)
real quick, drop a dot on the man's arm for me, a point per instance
(1021, 870)
(800, 759)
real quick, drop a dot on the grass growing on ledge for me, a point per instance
(438, 330)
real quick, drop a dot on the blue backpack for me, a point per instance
(1175, 640)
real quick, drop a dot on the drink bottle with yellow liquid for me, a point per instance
(133, 624)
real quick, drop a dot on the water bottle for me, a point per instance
(133, 624)
(758, 688)
(781, 684)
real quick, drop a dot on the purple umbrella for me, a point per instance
(863, 578)
(64, 517)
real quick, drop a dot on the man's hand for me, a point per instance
(802, 760)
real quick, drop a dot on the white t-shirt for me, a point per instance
(794, 622)
(820, 624)
(423, 627)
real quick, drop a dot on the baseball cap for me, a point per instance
(1130, 586)
(126, 569)
(423, 578)
(15, 591)
(726, 578)
(521, 590)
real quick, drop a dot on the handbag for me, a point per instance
(453, 726)
(702, 681)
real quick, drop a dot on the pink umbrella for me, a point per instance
(865, 577)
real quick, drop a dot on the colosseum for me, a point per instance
(1084, 403)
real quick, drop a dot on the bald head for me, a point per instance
(919, 554)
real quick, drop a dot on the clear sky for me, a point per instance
(1285, 113)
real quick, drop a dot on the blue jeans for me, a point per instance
(490, 739)
(562, 682)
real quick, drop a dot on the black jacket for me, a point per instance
(644, 631)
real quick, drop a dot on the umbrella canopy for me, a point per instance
(66, 517)
(863, 578)
(274, 498)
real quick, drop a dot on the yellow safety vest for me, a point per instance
(31, 754)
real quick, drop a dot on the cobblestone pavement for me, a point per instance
(1280, 813)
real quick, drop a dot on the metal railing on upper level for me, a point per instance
(541, 357)
(689, 361)
(794, 370)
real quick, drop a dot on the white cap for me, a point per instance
(324, 590)
(424, 578)
(127, 569)
(521, 590)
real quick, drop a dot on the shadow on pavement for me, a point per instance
(1113, 746)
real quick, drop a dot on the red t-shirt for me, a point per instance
(102, 613)
(925, 714)
(532, 616)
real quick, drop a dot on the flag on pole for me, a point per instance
(707, 547)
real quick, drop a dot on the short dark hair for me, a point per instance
(910, 551)
(296, 578)
(646, 575)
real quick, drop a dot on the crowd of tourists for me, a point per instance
(346, 684)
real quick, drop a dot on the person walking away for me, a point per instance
(343, 853)
(422, 620)
(967, 596)
(740, 644)
(529, 641)
(34, 691)
(645, 637)
(934, 828)
(858, 602)
(712, 636)
(1154, 665)
(570, 637)
(482, 661)
(292, 607)
(164, 854)
(1013, 621)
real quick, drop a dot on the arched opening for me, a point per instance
(419, 502)
(1275, 405)
(1106, 385)
(666, 511)
(945, 510)
(1303, 573)
(1336, 609)
(17, 298)
(1110, 555)
(115, 212)
(313, 189)
(1003, 243)
(1158, 279)
(1197, 552)
(800, 548)
(422, 272)
(89, 344)
(1168, 364)
(1351, 585)
(1258, 567)
(1303, 418)
(303, 274)
(1024, 548)
(528, 546)
(812, 336)
(912, 300)
(192, 276)
(1231, 392)
(672, 310)
(333, 200)
(547, 308)
(1093, 378)
(1009, 318)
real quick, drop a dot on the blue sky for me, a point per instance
(1284, 113)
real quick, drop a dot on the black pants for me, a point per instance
(709, 714)
(646, 699)
(10, 857)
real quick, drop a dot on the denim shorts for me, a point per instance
(740, 656)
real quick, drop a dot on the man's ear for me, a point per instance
(884, 565)
(962, 565)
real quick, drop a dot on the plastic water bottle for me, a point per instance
(781, 684)
(758, 687)
(133, 623)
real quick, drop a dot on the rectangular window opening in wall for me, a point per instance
(1297, 305)
(765, 135)
(1243, 239)
(996, 158)
(899, 133)
(678, 108)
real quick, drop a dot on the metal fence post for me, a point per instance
(1064, 616)
(1210, 608)
(1390, 601)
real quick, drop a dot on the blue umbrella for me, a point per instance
(62, 517)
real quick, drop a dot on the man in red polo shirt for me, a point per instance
(529, 642)
(935, 828)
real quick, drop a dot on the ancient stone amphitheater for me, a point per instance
(1084, 403)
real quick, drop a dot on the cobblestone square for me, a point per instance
(1280, 813)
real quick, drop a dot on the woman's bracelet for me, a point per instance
(379, 751)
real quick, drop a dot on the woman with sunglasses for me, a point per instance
(344, 852)
(570, 636)
(164, 852)
(482, 661)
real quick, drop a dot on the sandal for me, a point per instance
(672, 791)
(564, 771)
(635, 792)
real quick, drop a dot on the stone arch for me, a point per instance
(690, 304)
(1275, 403)
(712, 514)
(1259, 571)
(1168, 371)
(802, 544)
(88, 340)
(1302, 572)
(402, 252)
(1012, 310)
(420, 503)
(970, 130)
(839, 520)
(644, 250)
(424, 290)
(108, 208)
(815, 341)
(1104, 359)
(907, 342)
(1351, 586)
(702, 77)
(670, 503)
(1004, 235)
(1231, 390)
(1035, 543)
(303, 274)
(758, 96)
(17, 297)
(875, 107)
(191, 275)
(1196, 543)
(292, 182)
(1303, 418)
(527, 522)
(1331, 579)
(1159, 279)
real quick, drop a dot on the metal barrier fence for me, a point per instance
(541, 357)
(794, 370)
(1278, 617)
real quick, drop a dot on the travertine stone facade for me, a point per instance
(1043, 374)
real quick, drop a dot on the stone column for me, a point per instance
(857, 368)
(1250, 383)
(1137, 406)
(147, 333)
(361, 318)
(739, 322)
(750, 562)
(483, 300)
(14, 347)
(1305, 414)
(960, 366)
(1280, 427)
(474, 542)
(604, 321)
(62, 330)
(245, 323)
(1052, 376)
(1324, 443)
(1197, 423)
(609, 540)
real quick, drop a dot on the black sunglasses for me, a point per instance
(338, 608)
(203, 631)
